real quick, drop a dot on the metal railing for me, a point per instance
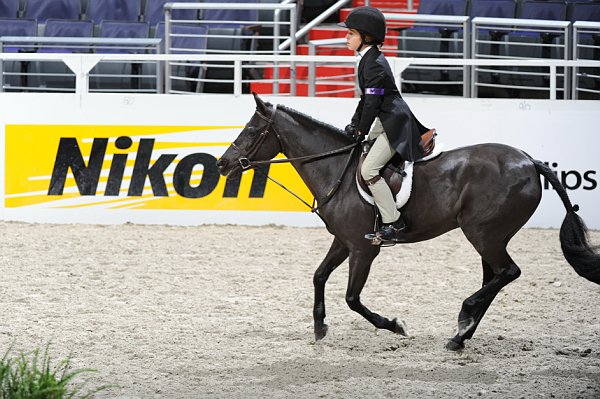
(507, 38)
(249, 28)
(81, 64)
(586, 46)
(38, 75)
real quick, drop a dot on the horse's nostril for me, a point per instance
(221, 163)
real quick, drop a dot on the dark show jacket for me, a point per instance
(381, 98)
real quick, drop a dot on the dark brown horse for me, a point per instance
(489, 191)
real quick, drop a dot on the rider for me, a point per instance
(396, 129)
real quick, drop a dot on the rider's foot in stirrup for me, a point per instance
(391, 231)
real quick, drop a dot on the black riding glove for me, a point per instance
(351, 130)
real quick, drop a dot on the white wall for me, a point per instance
(566, 133)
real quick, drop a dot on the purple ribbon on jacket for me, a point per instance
(375, 90)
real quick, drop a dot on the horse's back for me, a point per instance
(478, 184)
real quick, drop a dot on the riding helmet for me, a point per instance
(369, 20)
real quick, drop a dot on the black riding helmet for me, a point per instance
(367, 20)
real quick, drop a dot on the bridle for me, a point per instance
(244, 160)
(246, 163)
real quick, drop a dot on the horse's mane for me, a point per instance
(312, 120)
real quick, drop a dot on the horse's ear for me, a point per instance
(260, 104)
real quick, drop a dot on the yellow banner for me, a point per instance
(136, 167)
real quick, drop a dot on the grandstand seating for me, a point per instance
(9, 8)
(42, 10)
(113, 10)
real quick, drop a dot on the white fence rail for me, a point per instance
(81, 64)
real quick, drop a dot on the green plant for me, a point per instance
(27, 376)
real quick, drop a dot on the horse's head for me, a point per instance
(258, 141)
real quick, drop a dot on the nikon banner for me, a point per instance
(135, 167)
(110, 158)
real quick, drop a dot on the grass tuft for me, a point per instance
(31, 376)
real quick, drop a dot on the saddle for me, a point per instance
(393, 172)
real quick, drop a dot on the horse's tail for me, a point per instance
(573, 232)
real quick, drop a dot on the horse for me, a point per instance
(489, 191)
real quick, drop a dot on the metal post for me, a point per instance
(312, 71)
(552, 82)
(168, 50)
(575, 70)
(293, 52)
(1, 69)
(237, 78)
(474, 55)
(466, 68)
(276, 33)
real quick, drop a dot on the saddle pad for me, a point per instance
(405, 190)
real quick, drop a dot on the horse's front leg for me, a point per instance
(338, 253)
(360, 265)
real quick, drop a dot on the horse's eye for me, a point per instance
(252, 132)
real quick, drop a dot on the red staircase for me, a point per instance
(332, 81)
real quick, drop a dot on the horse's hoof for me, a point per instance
(454, 346)
(320, 333)
(400, 328)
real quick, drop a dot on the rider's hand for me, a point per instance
(359, 137)
(351, 130)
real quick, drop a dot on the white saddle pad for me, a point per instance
(405, 190)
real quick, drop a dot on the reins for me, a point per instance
(246, 164)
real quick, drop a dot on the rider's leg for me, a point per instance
(380, 154)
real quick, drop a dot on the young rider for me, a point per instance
(396, 129)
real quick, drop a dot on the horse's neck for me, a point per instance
(299, 141)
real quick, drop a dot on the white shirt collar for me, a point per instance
(364, 51)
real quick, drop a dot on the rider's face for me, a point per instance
(353, 39)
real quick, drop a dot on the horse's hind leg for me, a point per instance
(498, 271)
(360, 265)
(336, 255)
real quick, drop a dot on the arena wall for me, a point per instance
(62, 162)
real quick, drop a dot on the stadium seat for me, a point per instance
(492, 8)
(584, 11)
(67, 28)
(185, 39)
(484, 49)
(9, 8)
(443, 7)
(15, 72)
(17, 27)
(546, 10)
(42, 10)
(154, 13)
(588, 47)
(226, 40)
(113, 10)
(117, 76)
(56, 76)
(123, 29)
(220, 18)
(431, 42)
(265, 23)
